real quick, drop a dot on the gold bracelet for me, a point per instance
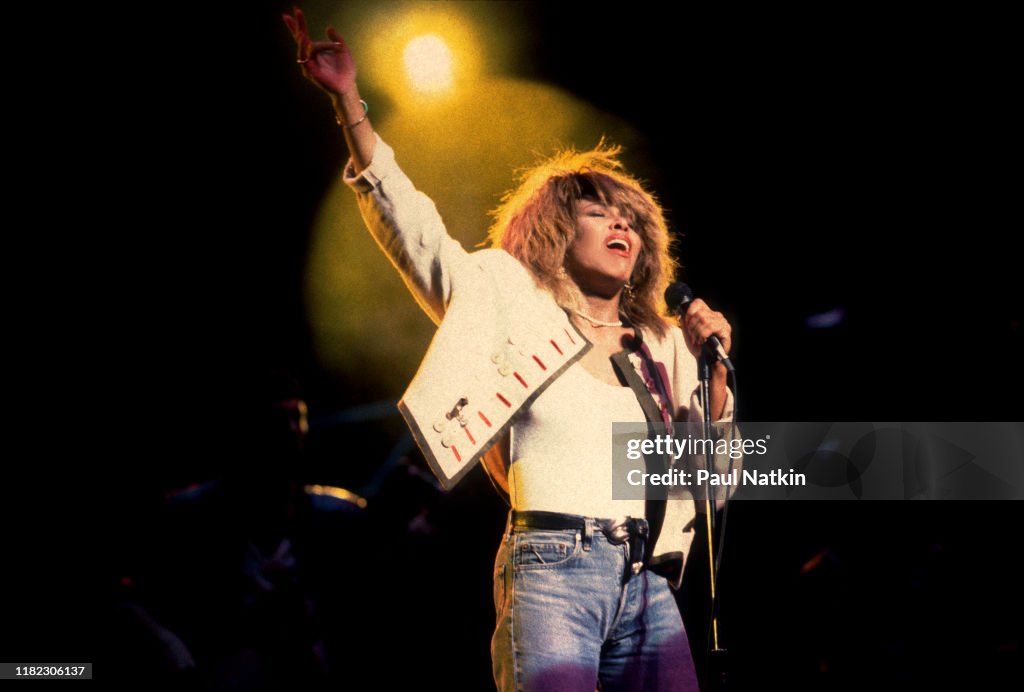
(366, 109)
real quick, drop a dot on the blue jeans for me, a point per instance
(571, 617)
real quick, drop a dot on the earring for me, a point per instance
(627, 289)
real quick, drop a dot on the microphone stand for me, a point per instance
(716, 654)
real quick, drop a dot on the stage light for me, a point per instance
(428, 54)
(428, 63)
(330, 491)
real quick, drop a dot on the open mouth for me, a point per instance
(619, 246)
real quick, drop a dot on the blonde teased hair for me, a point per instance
(536, 224)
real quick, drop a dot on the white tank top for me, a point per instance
(561, 448)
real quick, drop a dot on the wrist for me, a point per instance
(350, 110)
(346, 101)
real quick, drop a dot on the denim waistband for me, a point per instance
(556, 521)
(632, 531)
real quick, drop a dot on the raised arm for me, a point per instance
(330, 66)
(402, 220)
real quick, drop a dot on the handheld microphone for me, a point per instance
(678, 298)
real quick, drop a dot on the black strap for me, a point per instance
(547, 521)
(653, 509)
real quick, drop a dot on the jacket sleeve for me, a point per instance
(695, 412)
(407, 227)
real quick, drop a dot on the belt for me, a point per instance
(631, 531)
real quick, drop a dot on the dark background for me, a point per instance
(857, 160)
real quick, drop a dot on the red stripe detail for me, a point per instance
(542, 366)
(483, 417)
(504, 401)
(521, 380)
(469, 435)
(556, 347)
(458, 457)
(570, 337)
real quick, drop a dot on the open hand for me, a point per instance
(328, 64)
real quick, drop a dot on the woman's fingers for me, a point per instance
(333, 34)
(334, 72)
(321, 46)
(701, 322)
(298, 31)
(315, 48)
(292, 26)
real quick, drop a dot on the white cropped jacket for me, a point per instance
(500, 342)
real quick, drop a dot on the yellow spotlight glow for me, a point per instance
(421, 54)
(366, 326)
(461, 145)
(428, 63)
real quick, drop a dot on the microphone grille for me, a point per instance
(678, 295)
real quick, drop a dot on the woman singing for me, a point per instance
(545, 339)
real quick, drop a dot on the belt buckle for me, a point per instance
(633, 532)
(617, 530)
(638, 543)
